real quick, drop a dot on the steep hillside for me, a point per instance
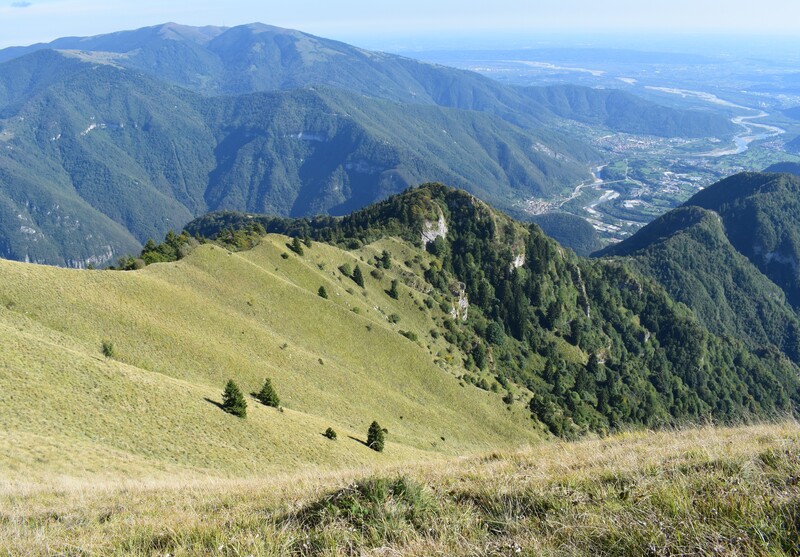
(761, 215)
(597, 344)
(181, 330)
(491, 337)
(688, 252)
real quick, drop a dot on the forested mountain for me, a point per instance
(96, 162)
(596, 343)
(107, 141)
(730, 254)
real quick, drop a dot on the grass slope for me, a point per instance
(180, 330)
(704, 491)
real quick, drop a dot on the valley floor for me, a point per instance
(702, 491)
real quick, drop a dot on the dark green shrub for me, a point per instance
(393, 290)
(410, 335)
(330, 434)
(233, 401)
(376, 274)
(322, 292)
(107, 348)
(394, 318)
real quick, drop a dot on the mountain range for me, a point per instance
(108, 141)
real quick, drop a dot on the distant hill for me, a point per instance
(570, 231)
(793, 146)
(728, 253)
(793, 112)
(790, 167)
(624, 112)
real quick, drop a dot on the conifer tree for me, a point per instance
(386, 259)
(267, 395)
(393, 292)
(296, 246)
(358, 278)
(375, 438)
(233, 401)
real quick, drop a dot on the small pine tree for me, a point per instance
(386, 259)
(358, 278)
(267, 395)
(330, 434)
(233, 401)
(296, 246)
(393, 292)
(322, 292)
(375, 439)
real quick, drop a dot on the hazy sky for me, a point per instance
(24, 22)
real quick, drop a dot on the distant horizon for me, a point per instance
(426, 25)
(664, 41)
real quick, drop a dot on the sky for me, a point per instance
(370, 23)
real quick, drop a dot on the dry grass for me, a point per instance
(705, 491)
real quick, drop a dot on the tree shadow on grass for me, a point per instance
(214, 402)
(359, 440)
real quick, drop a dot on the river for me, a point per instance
(742, 141)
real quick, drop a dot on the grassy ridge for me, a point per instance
(180, 330)
(706, 491)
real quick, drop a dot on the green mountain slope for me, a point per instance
(181, 330)
(688, 252)
(597, 344)
(490, 338)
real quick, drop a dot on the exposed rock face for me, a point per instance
(433, 230)
(461, 307)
